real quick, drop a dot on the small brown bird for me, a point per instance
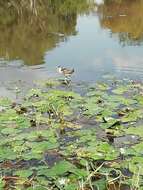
(66, 72)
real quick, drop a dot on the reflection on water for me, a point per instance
(124, 18)
(26, 36)
(94, 38)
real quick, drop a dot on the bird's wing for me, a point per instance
(65, 69)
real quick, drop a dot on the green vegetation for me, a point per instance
(59, 139)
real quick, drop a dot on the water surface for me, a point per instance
(94, 38)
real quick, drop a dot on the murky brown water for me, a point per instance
(95, 39)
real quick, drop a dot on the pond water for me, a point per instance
(94, 38)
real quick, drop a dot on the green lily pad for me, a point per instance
(60, 168)
(6, 153)
(136, 165)
(41, 147)
(71, 187)
(23, 173)
(139, 98)
(10, 131)
(138, 130)
(5, 102)
(120, 90)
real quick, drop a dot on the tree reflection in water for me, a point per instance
(28, 30)
(124, 18)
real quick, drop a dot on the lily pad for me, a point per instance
(59, 169)
(23, 173)
(138, 130)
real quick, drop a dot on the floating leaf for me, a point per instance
(24, 173)
(120, 90)
(59, 169)
(41, 147)
(138, 130)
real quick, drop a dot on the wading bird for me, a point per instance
(66, 72)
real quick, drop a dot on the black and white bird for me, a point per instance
(66, 72)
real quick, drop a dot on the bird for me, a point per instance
(66, 72)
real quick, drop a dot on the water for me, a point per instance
(94, 39)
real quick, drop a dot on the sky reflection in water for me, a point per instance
(108, 40)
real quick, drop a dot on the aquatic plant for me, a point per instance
(57, 138)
